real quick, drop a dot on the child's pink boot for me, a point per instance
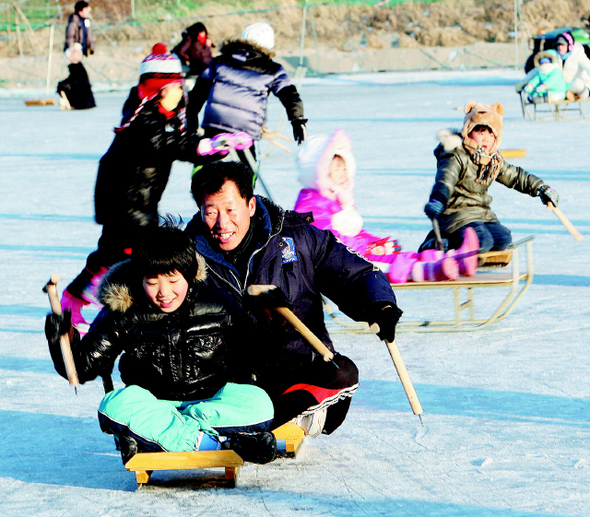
(466, 255)
(431, 256)
(445, 269)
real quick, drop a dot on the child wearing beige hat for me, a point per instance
(468, 162)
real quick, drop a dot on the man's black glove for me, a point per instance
(299, 130)
(272, 299)
(547, 195)
(386, 316)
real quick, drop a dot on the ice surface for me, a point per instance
(507, 409)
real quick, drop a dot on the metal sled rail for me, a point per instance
(561, 110)
(515, 281)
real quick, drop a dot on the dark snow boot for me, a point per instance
(128, 447)
(253, 447)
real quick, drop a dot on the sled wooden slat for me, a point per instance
(144, 463)
(40, 102)
(289, 439)
(515, 281)
(560, 110)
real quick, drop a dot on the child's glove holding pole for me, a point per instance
(57, 327)
(548, 195)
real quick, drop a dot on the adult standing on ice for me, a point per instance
(79, 30)
(247, 240)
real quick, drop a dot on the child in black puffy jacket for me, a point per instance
(182, 345)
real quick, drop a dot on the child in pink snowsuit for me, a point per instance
(326, 171)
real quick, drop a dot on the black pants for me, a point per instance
(114, 245)
(314, 385)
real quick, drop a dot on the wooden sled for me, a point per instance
(289, 440)
(144, 463)
(561, 110)
(514, 281)
(40, 102)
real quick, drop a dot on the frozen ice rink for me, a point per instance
(507, 409)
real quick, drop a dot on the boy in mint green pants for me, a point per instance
(182, 345)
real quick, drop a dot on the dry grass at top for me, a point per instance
(342, 27)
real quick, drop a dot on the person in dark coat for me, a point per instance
(246, 240)
(75, 91)
(235, 89)
(78, 29)
(184, 356)
(194, 50)
(134, 172)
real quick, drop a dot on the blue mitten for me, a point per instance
(433, 209)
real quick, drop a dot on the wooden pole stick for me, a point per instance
(436, 229)
(64, 340)
(403, 375)
(280, 146)
(298, 325)
(49, 59)
(565, 221)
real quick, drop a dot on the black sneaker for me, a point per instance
(253, 447)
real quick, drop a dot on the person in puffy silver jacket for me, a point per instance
(235, 88)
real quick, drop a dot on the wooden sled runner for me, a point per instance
(289, 440)
(550, 110)
(492, 272)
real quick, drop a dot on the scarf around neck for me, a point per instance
(488, 165)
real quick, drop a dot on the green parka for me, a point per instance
(466, 200)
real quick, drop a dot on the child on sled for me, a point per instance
(326, 171)
(468, 162)
(182, 345)
(547, 82)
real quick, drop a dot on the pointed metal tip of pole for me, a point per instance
(421, 421)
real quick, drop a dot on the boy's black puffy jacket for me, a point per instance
(236, 87)
(185, 355)
(306, 263)
(133, 173)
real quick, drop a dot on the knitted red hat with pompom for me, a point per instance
(157, 71)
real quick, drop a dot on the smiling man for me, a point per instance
(246, 240)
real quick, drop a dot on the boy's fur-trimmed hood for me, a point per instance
(450, 139)
(549, 54)
(120, 287)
